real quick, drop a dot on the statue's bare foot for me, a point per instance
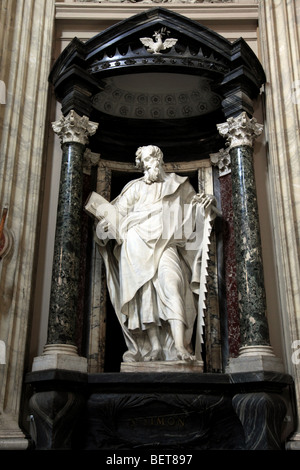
(154, 355)
(184, 355)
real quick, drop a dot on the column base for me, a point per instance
(60, 356)
(254, 358)
(13, 443)
(11, 436)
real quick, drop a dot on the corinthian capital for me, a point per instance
(74, 128)
(221, 159)
(240, 130)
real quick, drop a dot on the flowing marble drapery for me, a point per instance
(98, 303)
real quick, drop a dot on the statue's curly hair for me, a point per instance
(155, 151)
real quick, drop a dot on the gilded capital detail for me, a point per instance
(74, 128)
(240, 130)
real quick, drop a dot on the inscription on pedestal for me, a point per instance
(168, 421)
(161, 421)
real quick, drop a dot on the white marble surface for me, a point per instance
(162, 366)
(162, 221)
(255, 363)
(60, 361)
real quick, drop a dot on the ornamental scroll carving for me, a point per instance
(221, 159)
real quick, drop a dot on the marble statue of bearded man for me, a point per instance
(153, 272)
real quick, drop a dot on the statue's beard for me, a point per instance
(151, 175)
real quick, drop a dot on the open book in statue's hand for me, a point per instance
(107, 215)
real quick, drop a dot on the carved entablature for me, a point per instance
(175, 59)
(136, 55)
(195, 50)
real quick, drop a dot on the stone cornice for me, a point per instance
(225, 12)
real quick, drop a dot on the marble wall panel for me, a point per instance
(280, 50)
(26, 32)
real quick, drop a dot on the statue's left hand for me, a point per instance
(205, 200)
(208, 203)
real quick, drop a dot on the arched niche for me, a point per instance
(173, 99)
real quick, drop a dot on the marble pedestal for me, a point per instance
(59, 361)
(252, 358)
(163, 366)
(161, 412)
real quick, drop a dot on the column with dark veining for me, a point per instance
(255, 347)
(61, 350)
(221, 160)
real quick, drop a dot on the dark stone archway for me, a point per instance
(172, 99)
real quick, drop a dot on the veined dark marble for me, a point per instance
(250, 278)
(66, 260)
(160, 412)
(230, 266)
(84, 279)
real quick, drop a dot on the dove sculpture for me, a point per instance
(157, 45)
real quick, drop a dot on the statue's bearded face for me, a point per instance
(151, 167)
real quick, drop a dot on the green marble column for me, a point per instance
(66, 260)
(249, 269)
(240, 133)
(60, 350)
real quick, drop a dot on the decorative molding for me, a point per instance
(175, 60)
(155, 1)
(222, 160)
(74, 128)
(240, 130)
(115, 11)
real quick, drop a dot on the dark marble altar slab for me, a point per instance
(161, 411)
